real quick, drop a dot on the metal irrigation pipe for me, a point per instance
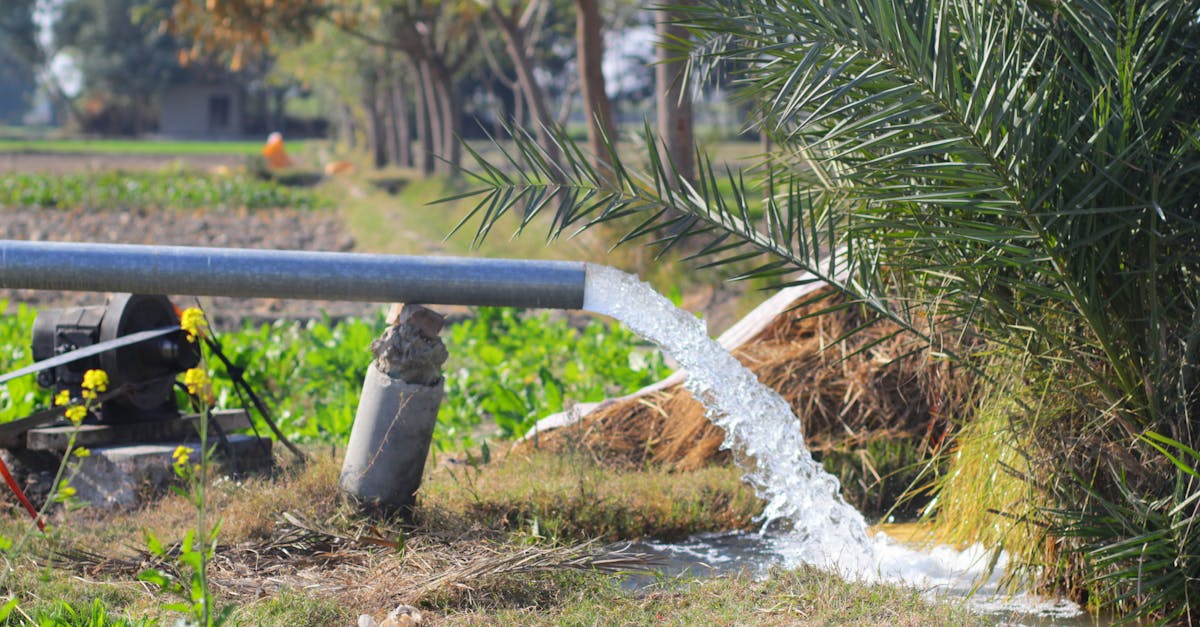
(291, 274)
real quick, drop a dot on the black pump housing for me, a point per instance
(148, 368)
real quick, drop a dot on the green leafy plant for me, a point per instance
(516, 368)
(173, 188)
(1013, 182)
(189, 582)
(74, 409)
(1144, 550)
(311, 372)
(19, 397)
(505, 366)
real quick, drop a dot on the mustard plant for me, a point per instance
(199, 543)
(75, 409)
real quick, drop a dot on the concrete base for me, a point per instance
(122, 476)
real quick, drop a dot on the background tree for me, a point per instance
(674, 94)
(27, 55)
(434, 37)
(20, 58)
(123, 56)
(589, 33)
(521, 25)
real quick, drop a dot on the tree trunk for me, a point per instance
(589, 36)
(376, 128)
(514, 41)
(348, 130)
(428, 119)
(392, 120)
(674, 99)
(449, 116)
(401, 124)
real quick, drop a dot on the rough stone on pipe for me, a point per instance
(410, 349)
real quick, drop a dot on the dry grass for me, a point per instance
(521, 520)
(570, 496)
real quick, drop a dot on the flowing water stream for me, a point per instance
(806, 520)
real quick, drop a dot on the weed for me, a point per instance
(195, 552)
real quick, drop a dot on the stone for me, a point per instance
(120, 476)
(410, 350)
(90, 436)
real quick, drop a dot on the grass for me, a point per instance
(570, 497)
(801, 597)
(458, 516)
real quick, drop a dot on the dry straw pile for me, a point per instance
(878, 384)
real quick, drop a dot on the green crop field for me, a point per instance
(133, 146)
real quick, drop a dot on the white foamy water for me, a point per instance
(760, 428)
(803, 501)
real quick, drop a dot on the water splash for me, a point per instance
(760, 428)
(803, 501)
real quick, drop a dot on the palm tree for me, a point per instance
(1016, 183)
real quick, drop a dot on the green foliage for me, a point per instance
(173, 188)
(1144, 550)
(504, 366)
(310, 372)
(1012, 182)
(23, 396)
(123, 56)
(516, 368)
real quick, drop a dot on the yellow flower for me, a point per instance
(62, 398)
(66, 492)
(196, 380)
(76, 413)
(82, 452)
(193, 322)
(95, 380)
(181, 454)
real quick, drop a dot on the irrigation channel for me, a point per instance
(806, 520)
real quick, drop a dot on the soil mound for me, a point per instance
(878, 384)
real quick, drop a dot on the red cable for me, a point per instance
(12, 484)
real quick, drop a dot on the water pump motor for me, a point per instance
(141, 373)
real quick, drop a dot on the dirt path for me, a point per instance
(63, 163)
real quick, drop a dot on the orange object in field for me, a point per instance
(275, 153)
(338, 167)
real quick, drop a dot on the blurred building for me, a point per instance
(203, 110)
